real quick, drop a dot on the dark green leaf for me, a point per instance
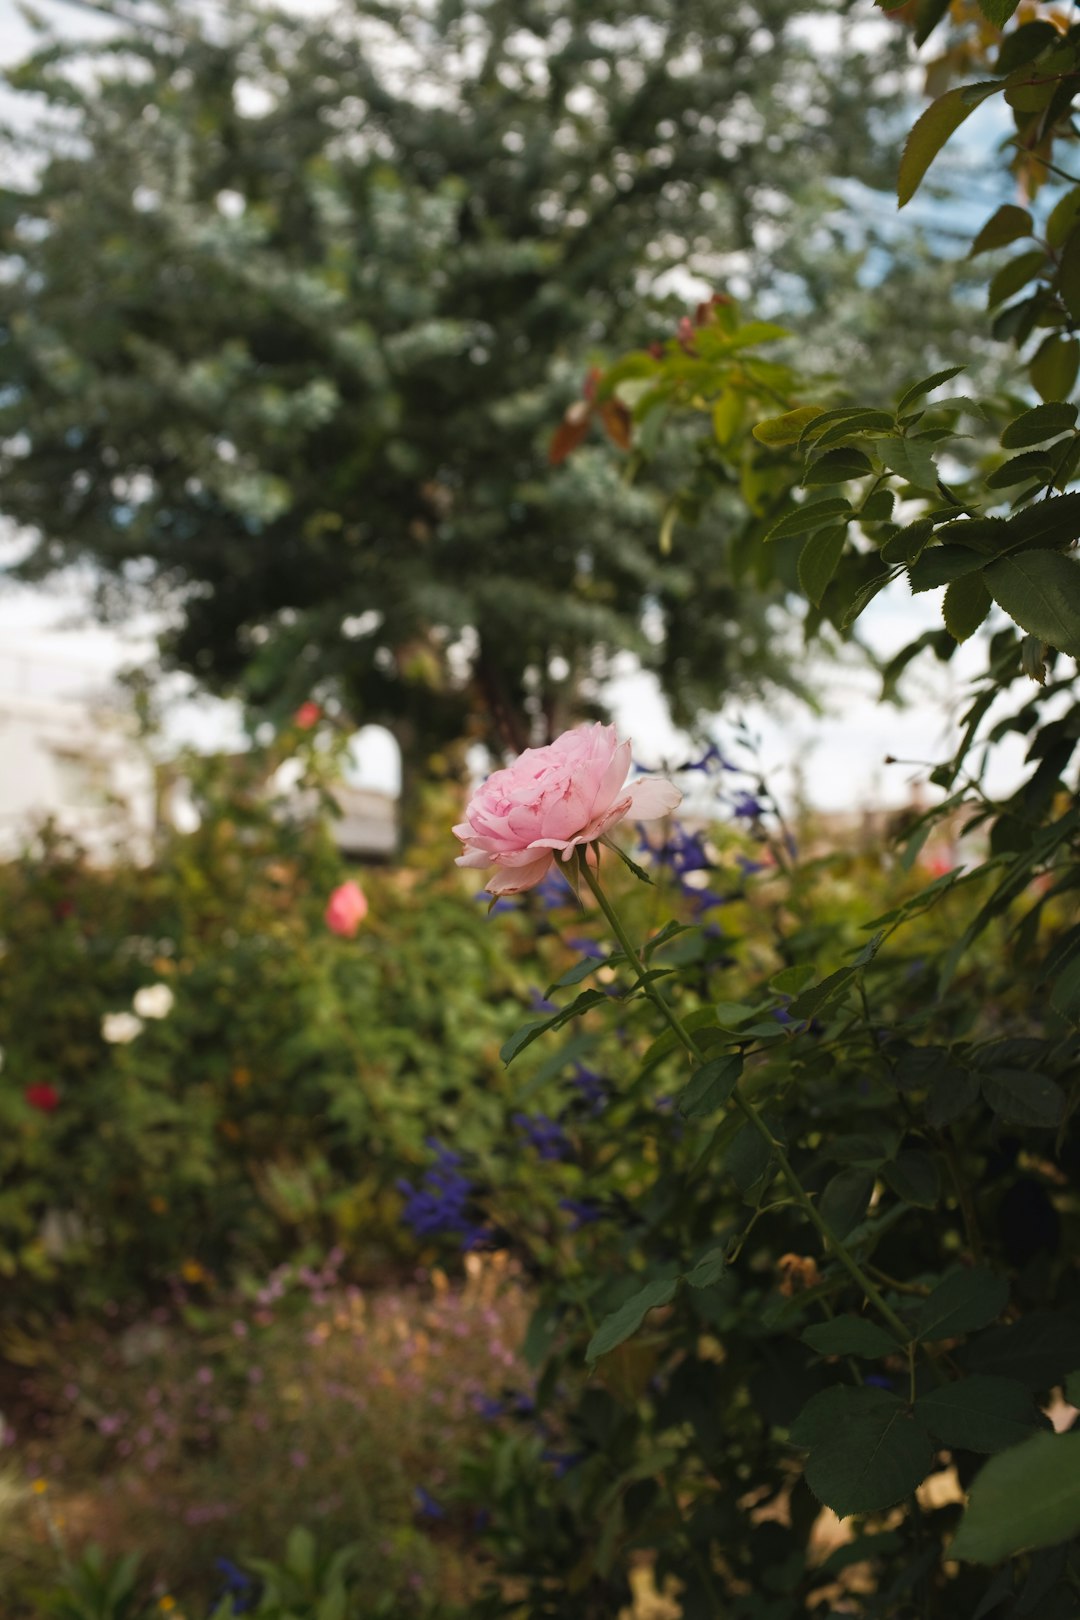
(926, 385)
(625, 1322)
(967, 602)
(845, 1199)
(914, 1177)
(954, 1091)
(1064, 218)
(748, 1157)
(710, 1086)
(812, 515)
(819, 559)
(962, 1302)
(979, 1414)
(1014, 274)
(523, 1037)
(863, 598)
(940, 565)
(1041, 591)
(1042, 422)
(837, 467)
(709, 1269)
(1038, 1351)
(1065, 991)
(1009, 224)
(907, 543)
(810, 1002)
(1024, 1098)
(1053, 370)
(998, 11)
(850, 1336)
(1024, 45)
(910, 459)
(1032, 466)
(1068, 276)
(932, 130)
(866, 1449)
(1028, 1496)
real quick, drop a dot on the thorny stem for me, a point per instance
(749, 1113)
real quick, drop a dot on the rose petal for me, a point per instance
(653, 797)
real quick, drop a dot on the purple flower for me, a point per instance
(545, 1135)
(553, 890)
(745, 807)
(747, 866)
(710, 758)
(540, 1003)
(584, 1211)
(441, 1205)
(587, 947)
(426, 1505)
(561, 1461)
(593, 1089)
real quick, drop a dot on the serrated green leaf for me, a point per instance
(940, 565)
(812, 515)
(961, 1303)
(909, 542)
(837, 467)
(1029, 466)
(1037, 425)
(940, 120)
(1008, 224)
(711, 1086)
(844, 1200)
(863, 598)
(1053, 370)
(967, 602)
(1026, 1497)
(850, 1336)
(1040, 590)
(867, 1451)
(1024, 44)
(911, 459)
(819, 560)
(925, 385)
(625, 1322)
(808, 1003)
(982, 1414)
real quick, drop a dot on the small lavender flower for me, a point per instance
(426, 1505)
(441, 1205)
(540, 1003)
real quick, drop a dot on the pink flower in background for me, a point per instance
(346, 909)
(550, 801)
(307, 715)
(42, 1096)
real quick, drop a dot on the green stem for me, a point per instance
(749, 1113)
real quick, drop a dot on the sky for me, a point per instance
(835, 760)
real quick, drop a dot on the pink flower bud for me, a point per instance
(346, 909)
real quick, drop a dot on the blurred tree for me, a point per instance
(292, 307)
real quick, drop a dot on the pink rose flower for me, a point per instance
(551, 800)
(307, 715)
(346, 909)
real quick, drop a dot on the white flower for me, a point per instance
(121, 1027)
(154, 1001)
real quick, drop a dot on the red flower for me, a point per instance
(42, 1096)
(307, 715)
